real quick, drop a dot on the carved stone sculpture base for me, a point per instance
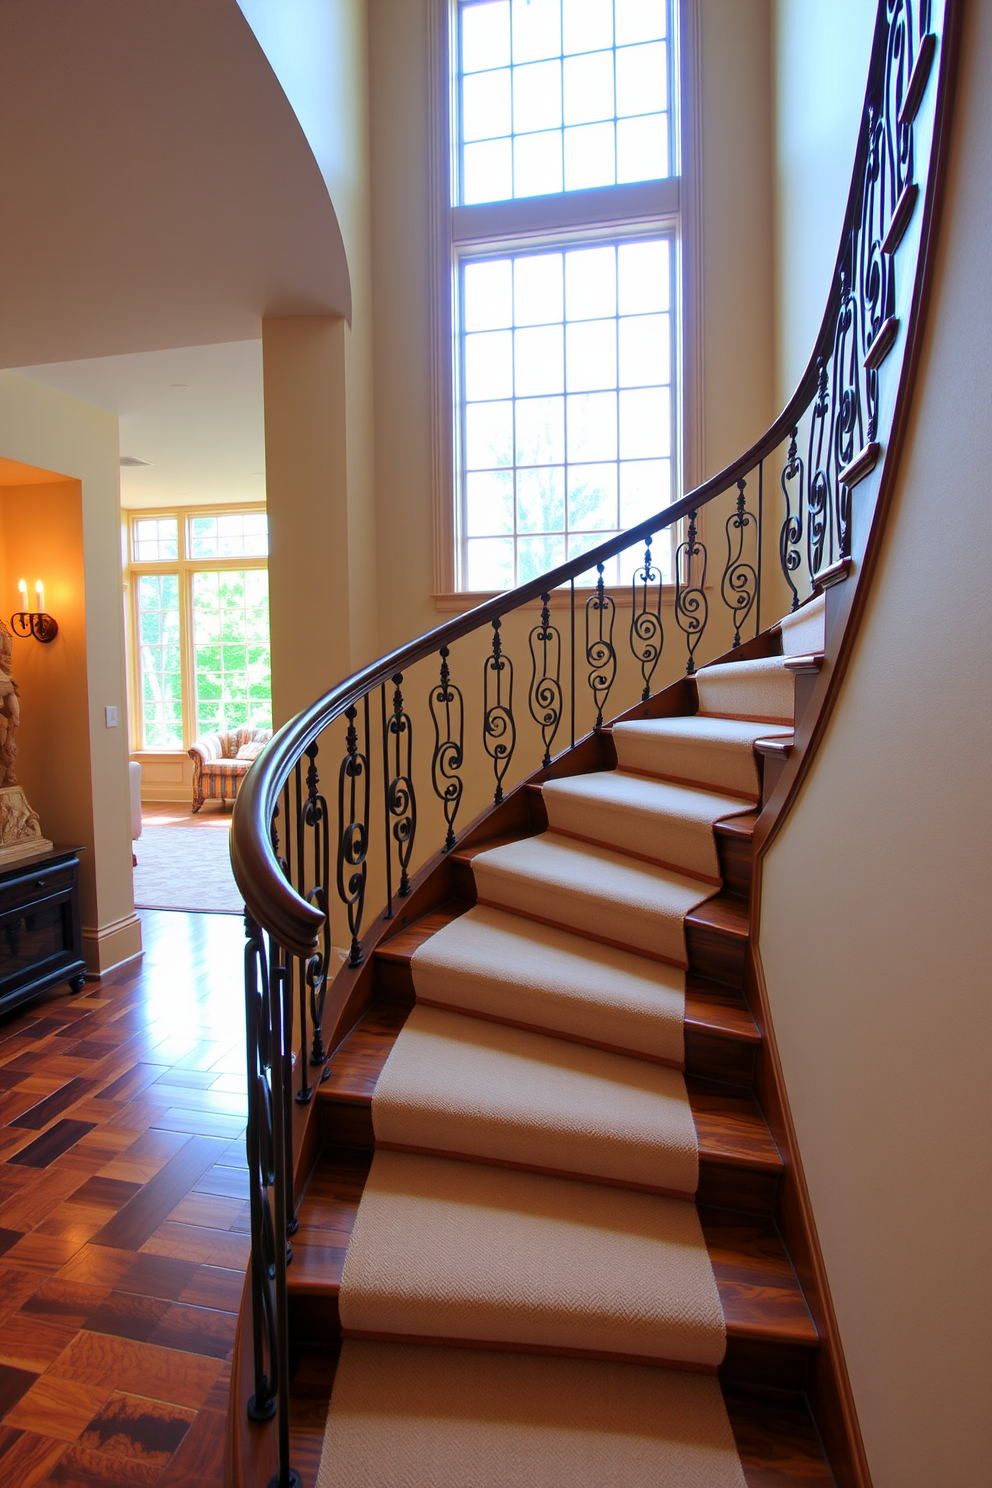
(20, 829)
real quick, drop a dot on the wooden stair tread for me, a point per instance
(737, 826)
(730, 1128)
(758, 1290)
(400, 947)
(728, 914)
(760, 1295)
(714, 1010)
(357, 1063)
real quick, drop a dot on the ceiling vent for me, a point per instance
(132, 460)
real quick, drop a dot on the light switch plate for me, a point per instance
(111, 717)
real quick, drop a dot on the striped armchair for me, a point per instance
(221, 760)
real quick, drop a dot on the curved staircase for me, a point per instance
(546, 1179)
(544, 1206)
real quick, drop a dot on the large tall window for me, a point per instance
(564, 248)
(199, 625)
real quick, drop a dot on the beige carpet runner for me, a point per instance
(527, 1298)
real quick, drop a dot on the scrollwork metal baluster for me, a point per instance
(791, 534)
(499, 730)
(354, 789)
(647, 633)
(545, 698)
(401, 798)
(448, 712)
(269, 1010)
(260, 1144)
(819, 495)
(691, 604)
(740, 581)
(601, 656)
(314, 818)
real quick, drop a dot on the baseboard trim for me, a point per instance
(106, 947)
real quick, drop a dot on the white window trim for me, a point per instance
(672, 202)
(185, 567)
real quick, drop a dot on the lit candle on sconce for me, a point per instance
(40, 624)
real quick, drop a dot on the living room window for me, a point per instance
(199, 624)
(564, 261)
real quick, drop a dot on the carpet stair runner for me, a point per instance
(547, 1223)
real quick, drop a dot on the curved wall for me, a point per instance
(875, 906)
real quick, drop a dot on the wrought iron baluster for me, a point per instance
(401, 800)
(760, 543)
(545, 699)
(388, 915)
(848, 428)
(647, 633)
(316, 818)
(740, 581)
(601, 656)
(691, 604)
(791, 533)
(353, 832)
(282, 1067)
(499, 731)
(260, 1143)
(448, 713)
(296, 966)
(819, 497)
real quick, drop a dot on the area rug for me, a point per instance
(185, 868)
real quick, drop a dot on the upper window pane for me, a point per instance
(561, 95)
(229, 535)
(155, 539)
(567, 403)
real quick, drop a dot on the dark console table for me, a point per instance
(40, 935)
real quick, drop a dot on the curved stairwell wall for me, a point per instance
(875, 900)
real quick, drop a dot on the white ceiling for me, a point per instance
(156, 188)
(204, 441)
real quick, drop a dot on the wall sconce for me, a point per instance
(35, 623)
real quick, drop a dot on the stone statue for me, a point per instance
(20, 828)
(10, 709)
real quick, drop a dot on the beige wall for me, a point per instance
(41, 427)
(821, 50)
(319, 454)
(875, 909)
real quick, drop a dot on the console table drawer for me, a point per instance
(28, 887)
(40, 931)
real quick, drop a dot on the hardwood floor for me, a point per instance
(124, 1216)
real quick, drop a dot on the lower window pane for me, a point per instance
(582, 448)
(158, 659)
(231, 650)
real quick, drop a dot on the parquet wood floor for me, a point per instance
(124, 1216)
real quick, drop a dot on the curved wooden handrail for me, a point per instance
(269, 897)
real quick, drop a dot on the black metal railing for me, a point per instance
(494, 693)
